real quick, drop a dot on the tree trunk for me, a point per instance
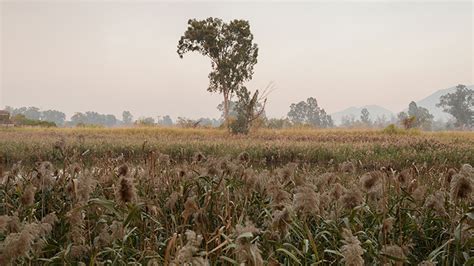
(226, 110)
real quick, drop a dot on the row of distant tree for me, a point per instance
(460, 104)
(91, 118)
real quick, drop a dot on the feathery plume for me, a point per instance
(326, 180)
(247, 252)
(125, 190)
(28, 197)
(404, 177)
(172, 200)
(10, 224)
(78, 251)
(419, 194)
(281, 219)
(75, 218)
(186, 254)
(462, 186)
(85, 186)
(117, 230)
(17, 245)
(394, 251)
(287, 171)
(306, 201)
(51, 219)
(347, 167)
(43, 178)
(436, 202)
(351, 250)
(337, 191)
(351, 198)
(190, 208)
(387, 225)
(4, 220)
(449, 176)
(370, 180)
(279, 197)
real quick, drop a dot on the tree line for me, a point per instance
(247, 113)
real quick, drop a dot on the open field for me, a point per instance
(201, 196)
(373, 148)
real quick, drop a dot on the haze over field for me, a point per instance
(111, 56)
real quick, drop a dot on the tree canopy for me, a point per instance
(248, 108)
(127, 118)
(459, 104)
(416, 116)
(309, 113)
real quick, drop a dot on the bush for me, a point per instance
(21, 120)
(392, 129)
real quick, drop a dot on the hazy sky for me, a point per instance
(110, 56)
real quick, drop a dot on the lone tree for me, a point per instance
(231, 50)
(459, 104)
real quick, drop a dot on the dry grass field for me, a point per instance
(167, 196)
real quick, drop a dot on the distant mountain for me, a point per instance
(374, 110)
(431, 101)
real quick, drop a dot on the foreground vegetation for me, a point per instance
(175, 196)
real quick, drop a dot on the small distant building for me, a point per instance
(5, 118)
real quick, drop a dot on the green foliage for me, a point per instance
(409, 122)
(21, 120)
(93, 118)
(165, 121)
(416, 116)
(309, 113)
(145, 121)
(127, 118)
(232, 110)
(391, 129)
(248, 109)
(34, 113)
(459, 104)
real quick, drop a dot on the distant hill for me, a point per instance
(431, 101)
(374, 110)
